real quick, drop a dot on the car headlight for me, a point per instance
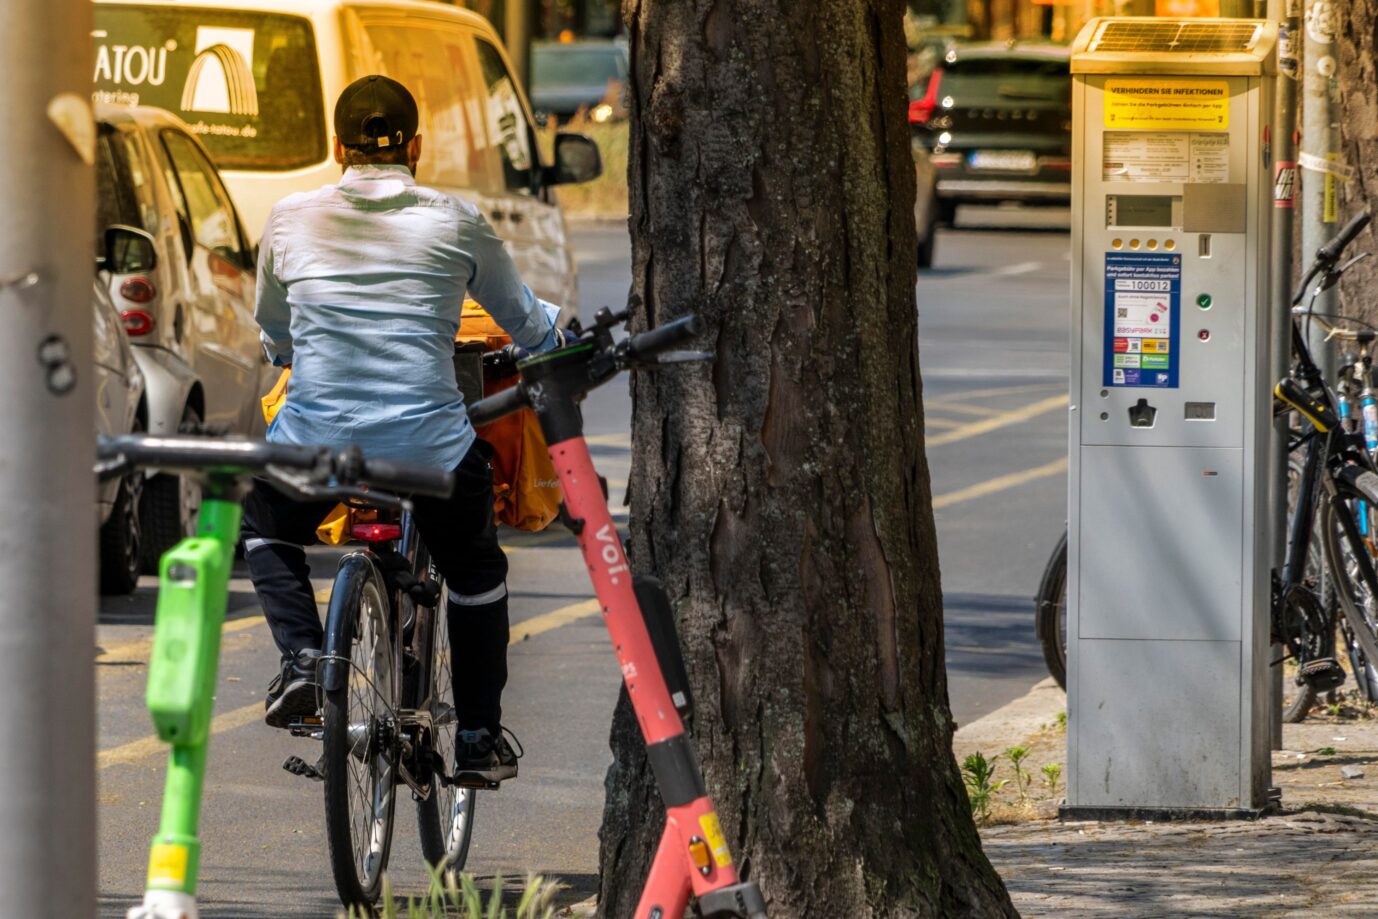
(601, 113)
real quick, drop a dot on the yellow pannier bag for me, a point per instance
(526, 491)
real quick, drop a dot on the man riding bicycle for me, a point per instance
(360, 287)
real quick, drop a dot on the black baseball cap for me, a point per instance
(375, 111)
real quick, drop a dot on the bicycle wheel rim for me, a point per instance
(360, 776)
(1358, 598)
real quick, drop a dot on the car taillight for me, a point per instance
(1056, 164)
(920, 110)
(138, 290)
(376, 532)
(946, 160)
(137, 322)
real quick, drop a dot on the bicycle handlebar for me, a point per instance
(1328, 254)
(325, 469)
(493, 407)
(645, 345)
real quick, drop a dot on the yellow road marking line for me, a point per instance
(139, 648)
(136, 750)
(965, 409)
(930, 422)
(610, 440)
(995, 422)
(1000, 483)
(990, 391)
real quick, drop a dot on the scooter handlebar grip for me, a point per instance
(497, 405)
(649, 343)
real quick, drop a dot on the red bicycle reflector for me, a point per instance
(137, 322)
(138, 290)
(699, 854)
(376, 532)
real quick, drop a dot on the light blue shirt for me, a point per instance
(360, 287)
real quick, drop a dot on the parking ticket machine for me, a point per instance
(1168, 553)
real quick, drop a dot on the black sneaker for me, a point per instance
(484, 760)
(293, 693)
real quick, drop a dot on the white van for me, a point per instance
(257, 80)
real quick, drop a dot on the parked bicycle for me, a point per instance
(1333, 484)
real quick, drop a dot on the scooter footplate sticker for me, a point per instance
(712, 834)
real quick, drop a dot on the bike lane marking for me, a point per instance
(995, 422)
(144, 747)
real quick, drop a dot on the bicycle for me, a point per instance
(693, 858)
(1334, 471)
(193, 587)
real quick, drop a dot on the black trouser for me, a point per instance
(463, 541)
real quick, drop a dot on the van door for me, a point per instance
(220, 301)
(523, 213)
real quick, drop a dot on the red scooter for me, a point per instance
(693, 857)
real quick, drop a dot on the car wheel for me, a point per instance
(946, 212)
(171, 504)
(926, 247)
(121, 536)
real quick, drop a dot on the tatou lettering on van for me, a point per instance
(132, 65)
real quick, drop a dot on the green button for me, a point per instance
(1204, 301)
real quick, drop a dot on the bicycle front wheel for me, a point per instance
(361, 749)
(1351, 564)
(1050, 613)
(445, 818)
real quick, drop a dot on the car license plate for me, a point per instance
(1007, 160)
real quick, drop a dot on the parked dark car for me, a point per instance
(997, 120)
(570, 76)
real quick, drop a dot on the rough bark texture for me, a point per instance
(1356, 44)
(782, 492)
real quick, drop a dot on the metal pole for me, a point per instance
(1284, 137)
(47, 544)
(1319, 194)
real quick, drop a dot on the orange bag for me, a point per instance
(525, 488)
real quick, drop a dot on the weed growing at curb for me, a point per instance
(1022, 778)
(1051, 773)
(457, 895)
(977, 774)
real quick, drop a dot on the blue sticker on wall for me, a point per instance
(1143, 296)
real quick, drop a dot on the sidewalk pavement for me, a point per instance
(1319, 856)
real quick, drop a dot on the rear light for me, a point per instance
(946, 160)
(138, 290)
(1056, 164)
(920, 110)
(137, 322)
(376, 532)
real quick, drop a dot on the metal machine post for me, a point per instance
(1320, 207)
(1169, 549)
(47, 545)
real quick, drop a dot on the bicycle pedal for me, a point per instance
(298, 766)
(307, 726)
(1322, 674)
(474, 780)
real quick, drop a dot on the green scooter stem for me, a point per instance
(193, 589)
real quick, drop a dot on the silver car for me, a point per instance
(120, 409)
(188, 310)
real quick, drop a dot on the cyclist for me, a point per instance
(360, 286)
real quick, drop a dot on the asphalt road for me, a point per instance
(993, 347)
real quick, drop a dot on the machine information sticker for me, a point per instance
(1143, 156)
(1147, 104)
(1143, 293)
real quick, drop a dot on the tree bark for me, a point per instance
(1356, 40)
(781, 492)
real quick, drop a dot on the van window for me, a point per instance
(508, 129)
(429, 60)
(204, 199)
(247, 84)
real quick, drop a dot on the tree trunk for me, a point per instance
(1356, 35)
(781, 492)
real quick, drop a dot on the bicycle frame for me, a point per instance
(193, 591)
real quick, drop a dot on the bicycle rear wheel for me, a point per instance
(1050, 613)
(445, 819)
(1347, 554)
(360, 749)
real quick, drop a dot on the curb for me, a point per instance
(1012, 723)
